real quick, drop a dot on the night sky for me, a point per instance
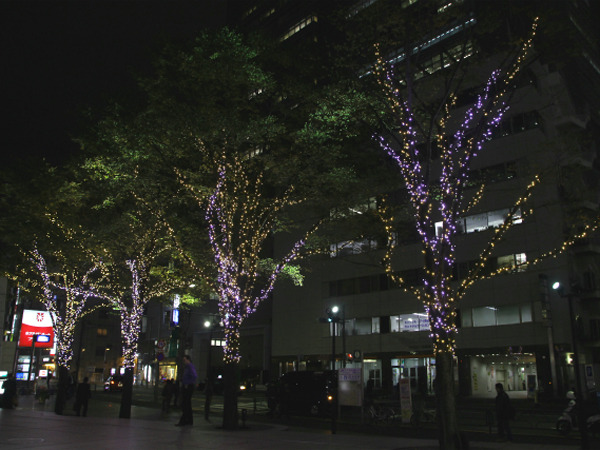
(58, 57)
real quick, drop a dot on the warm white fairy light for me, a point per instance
(458, 151)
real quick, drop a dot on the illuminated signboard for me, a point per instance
(36, 323)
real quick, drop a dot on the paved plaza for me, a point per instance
(33, 427)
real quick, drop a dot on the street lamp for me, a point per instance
(104, 367)
(581, 417)
(210, 324)
(333, 318)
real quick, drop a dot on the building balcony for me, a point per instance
(571, 122)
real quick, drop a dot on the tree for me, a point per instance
(420, 123)
(66, 295)
(42, 259)
(133, 255)
(228, 142)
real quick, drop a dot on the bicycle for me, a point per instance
(419, 417)
(383, 415)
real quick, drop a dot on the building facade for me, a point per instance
(512, 328)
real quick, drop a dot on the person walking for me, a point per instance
(83, 393)
(503, 414)
(9, 398)
(187, 389)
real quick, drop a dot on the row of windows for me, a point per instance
(481, 221)
(489, 316)
(517, 124)
(299, 26)
(414, 277)
(485, 316)
(368, 205)
(346, 248)
(492, 174)
(387, 324)
(445, 59)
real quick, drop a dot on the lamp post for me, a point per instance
(581, 416)
(107, 348)
(210, 324)
(333, 318)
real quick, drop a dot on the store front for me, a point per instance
(517, 372)
(420, 371)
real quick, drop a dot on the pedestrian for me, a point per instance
(188, 382)
(175, 391)
(83, 393)
(504, 412)
(9, 398)
(166, 394)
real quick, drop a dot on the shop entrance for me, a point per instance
(515, 372)
(420, 371)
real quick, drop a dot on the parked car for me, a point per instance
(306, 392)
(114, 383)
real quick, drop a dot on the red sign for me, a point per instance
(36, 323)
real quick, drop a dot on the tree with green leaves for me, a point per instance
(434, 149)
(230, 141)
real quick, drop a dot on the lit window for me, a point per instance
(346, 248)
(516, 262)
(299, 26)
(249, 11)
(409, 322)
(369, 205)
(482, 221)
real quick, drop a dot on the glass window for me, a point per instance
(506, 315)
(518, 123)
(375, 325)
(409, 322)
(526, 315)
(364, 285)
(394, 324)
(497, 218)
(349, 327)
(476, 223)
(531, 120)
(484, 317)
(362, 326)
(346, 287)
(466, 319)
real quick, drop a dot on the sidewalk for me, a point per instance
(31, 426)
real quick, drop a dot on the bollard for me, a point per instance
(255, 406)
(244, 416)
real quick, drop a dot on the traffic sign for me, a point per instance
(161, 344)
(160, 356)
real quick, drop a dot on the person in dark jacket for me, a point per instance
(503, 414)
(188, 382)
(83, 393)
(10, 392)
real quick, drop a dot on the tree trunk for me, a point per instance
(449, 435)
(230, 399)
(61, 392)
(127, 396)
